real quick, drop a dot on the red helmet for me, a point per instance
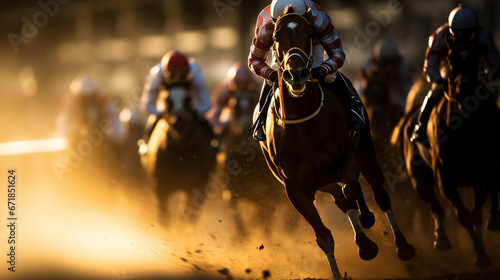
(174, 61)
(175, 68)
(240, 77)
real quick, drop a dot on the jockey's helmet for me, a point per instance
(278, 7)
(462, 22)
(175, 67)
(240, 78)
(84, 87)
(385, 51)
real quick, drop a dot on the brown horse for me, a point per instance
(180, 156)
(462, 151)
(308, 147)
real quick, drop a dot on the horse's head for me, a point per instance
(178, 112)
(293, 50)
(463, 62)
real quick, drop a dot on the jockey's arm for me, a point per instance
(200, 90)
(491, 54)
(435, 54)
(151, 91)
(330, 40)
(261, 44)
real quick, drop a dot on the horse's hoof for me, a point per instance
(493, 224)
(367, 249)
(442, 244)
(483, 261)
(352, 193)
(367, 219)
(404, 250)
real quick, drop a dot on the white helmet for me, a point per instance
(84, 87)
(385, 50)
(462, 18)
(278, 7)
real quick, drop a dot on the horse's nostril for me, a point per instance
(287, 76)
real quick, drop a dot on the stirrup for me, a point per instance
(418, 135)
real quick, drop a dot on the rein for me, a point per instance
(302, 120)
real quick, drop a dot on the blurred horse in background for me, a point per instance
(462, 150)
(180, 156)
(89, 123)
(250, 178)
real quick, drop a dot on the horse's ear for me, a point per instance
(289, 9)
(308, 15)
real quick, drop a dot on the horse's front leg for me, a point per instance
(367, 249)
(305, 205)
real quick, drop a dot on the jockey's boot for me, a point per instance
(260, 120)
(420, 131)
(148, 130)
(357, 114)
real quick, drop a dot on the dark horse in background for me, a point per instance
(308, 147)
(462, 151)
(249, 177)
(180, 156)
(383, 113)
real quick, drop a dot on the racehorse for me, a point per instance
(252, 181)
(383, 114)
(308, 147)
(462, 151)
(180, 156)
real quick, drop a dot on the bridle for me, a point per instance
(297, 51)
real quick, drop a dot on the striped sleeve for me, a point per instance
(329, 38)
(261, 45)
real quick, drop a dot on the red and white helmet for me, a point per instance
(462, 18)
(84, 87)
(278, 7)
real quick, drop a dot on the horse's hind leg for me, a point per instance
(305, 205)
(422, 180)
(367, 249)
(466, 219)
(373, 174)
(494, 219)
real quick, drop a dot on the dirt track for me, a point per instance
(93, 228)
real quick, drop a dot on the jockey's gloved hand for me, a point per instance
(273, 76)
(443, 84)
(319, 73)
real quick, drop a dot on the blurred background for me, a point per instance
(44, 47)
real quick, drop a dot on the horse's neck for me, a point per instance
(299, 107)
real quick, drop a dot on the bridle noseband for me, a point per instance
(301, 53)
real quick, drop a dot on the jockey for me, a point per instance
(387, 63)
(239, 79)
(174, 70)
(461, 30)
(86, 108)
(325, 38)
